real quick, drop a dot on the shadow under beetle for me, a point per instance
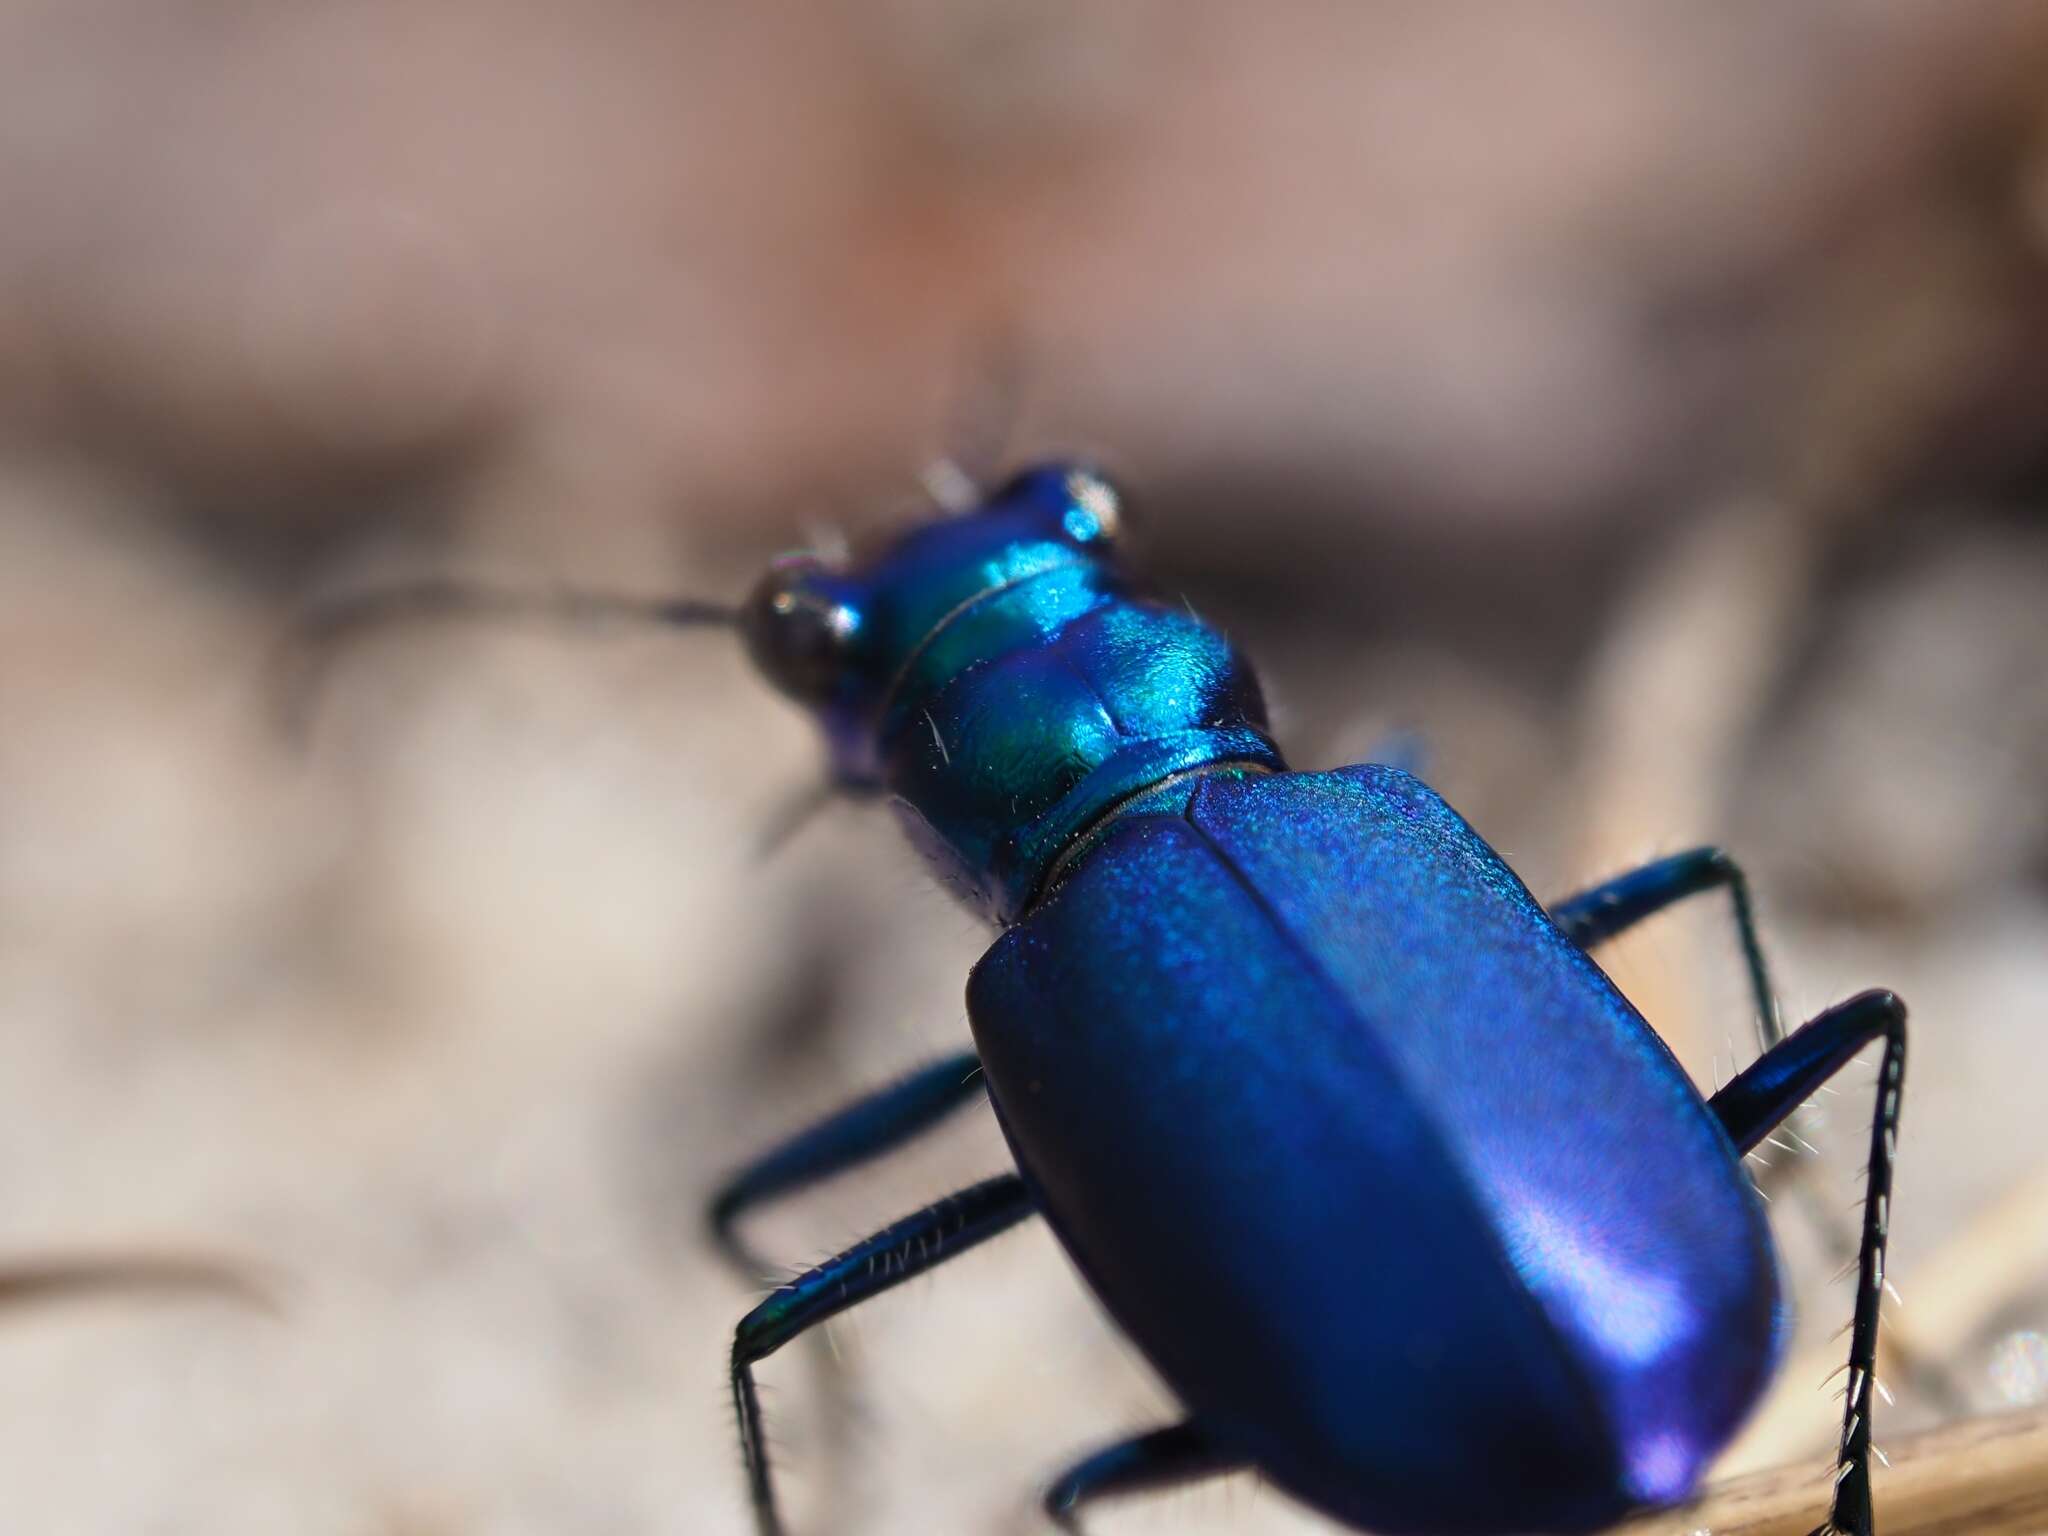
(1410, 1208)
(1323, 1104)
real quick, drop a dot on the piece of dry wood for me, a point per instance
(34, 1281)
(1982, 1477)
(1996, 1260)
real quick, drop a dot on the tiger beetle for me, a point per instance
(1410, 1208)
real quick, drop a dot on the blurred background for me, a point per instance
(1647, 406)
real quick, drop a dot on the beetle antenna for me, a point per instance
(952, 489)
(981, 416)
(438, 597)
(325, 624)
(796, 812)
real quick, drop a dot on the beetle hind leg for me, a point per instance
(1774, 1086)
(1180, 1453)
(1614, 906)
(895, 1254)
(856, 1134)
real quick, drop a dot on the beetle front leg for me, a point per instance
(895, 1254)
(1774, 1086)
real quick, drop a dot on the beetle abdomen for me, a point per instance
(1618, 1198)
(1243, 1104)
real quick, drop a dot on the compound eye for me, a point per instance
(796, 633)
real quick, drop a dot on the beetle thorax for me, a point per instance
(1038, 712)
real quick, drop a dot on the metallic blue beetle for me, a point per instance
(1322, 1102)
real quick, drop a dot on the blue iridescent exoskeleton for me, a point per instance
(1401, 1197)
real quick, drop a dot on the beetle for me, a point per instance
(1322, 1103)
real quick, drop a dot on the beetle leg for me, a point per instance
(1774, 1086)
(1596, 915)
(1607, 909)
(895, 1254)
(1180, 1453)
(863, 1130)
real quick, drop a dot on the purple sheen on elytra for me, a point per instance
(1614, 1190)
(1412, 1259)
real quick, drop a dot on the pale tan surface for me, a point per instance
(1637, 406)
(1985, 1476)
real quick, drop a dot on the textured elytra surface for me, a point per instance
(1302, 1135)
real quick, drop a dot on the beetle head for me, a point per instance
(839, 639)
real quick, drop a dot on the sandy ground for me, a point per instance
(1645, 408)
